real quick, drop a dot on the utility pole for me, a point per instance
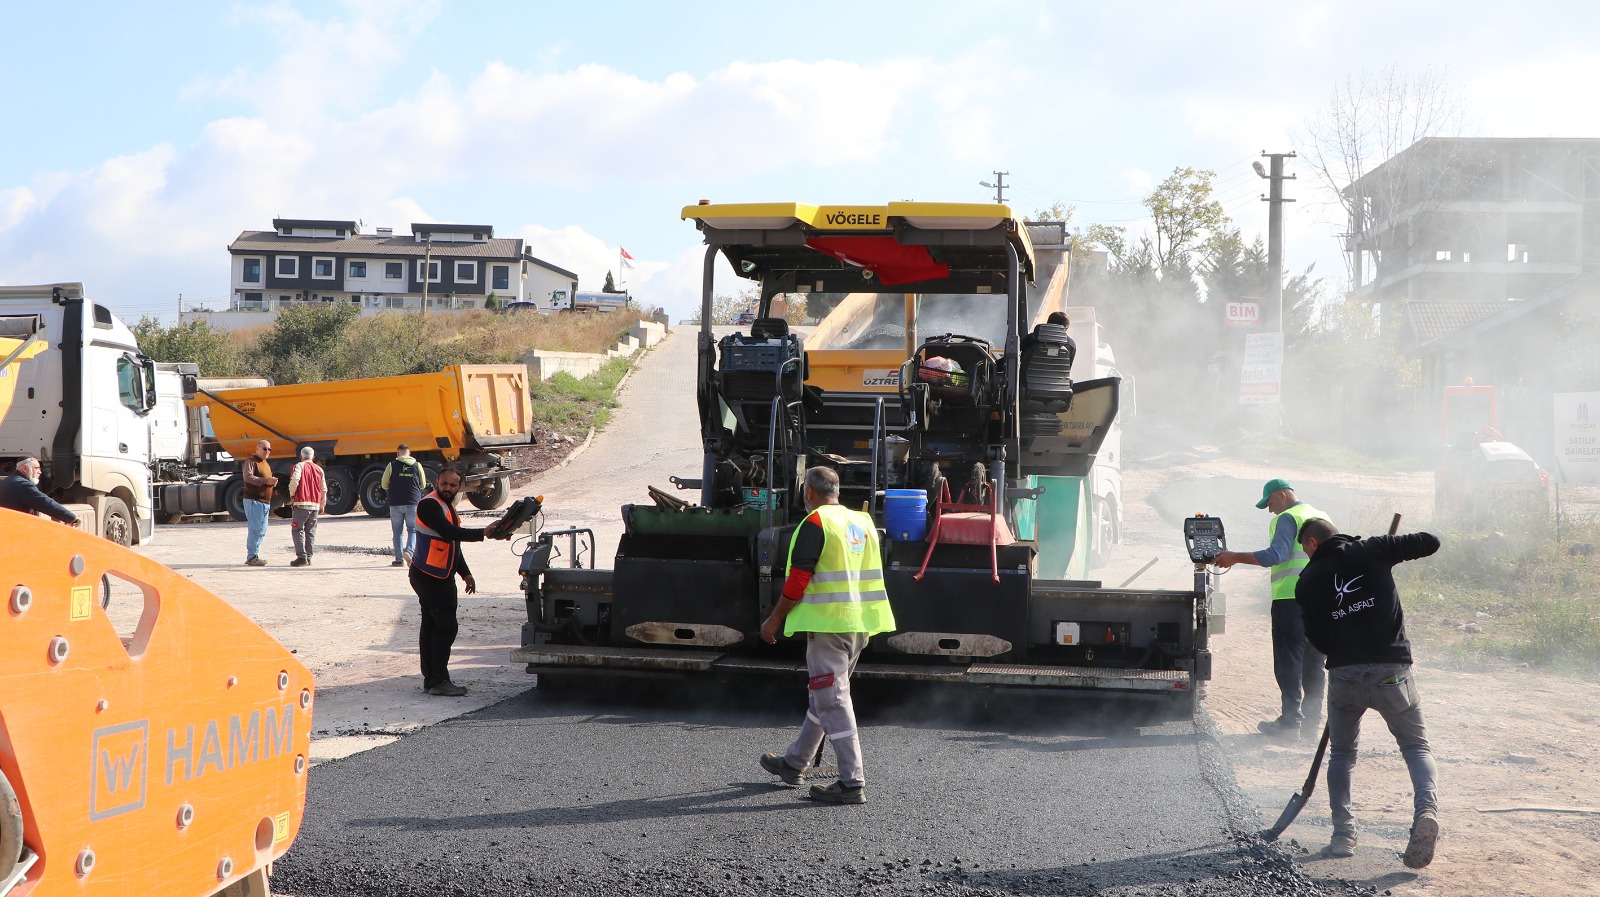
(427, 269)
(999, 186)
(1275, 198)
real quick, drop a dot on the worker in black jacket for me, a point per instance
(436, 560)
(1351, 609)
(20, 492)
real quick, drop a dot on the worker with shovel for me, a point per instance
(1295, 664)
(1352, 613)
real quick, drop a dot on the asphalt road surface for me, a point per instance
(659, 792)
(632, 790)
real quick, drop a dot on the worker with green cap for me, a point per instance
(1296, 665)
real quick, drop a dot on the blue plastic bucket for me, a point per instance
(905, 511)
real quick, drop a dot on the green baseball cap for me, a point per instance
(1273, 485)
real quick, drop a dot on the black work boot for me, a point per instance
(838, 793)
(779, 766)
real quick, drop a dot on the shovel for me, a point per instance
(1298, 802)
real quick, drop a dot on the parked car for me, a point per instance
(745, 317)
(511, 308)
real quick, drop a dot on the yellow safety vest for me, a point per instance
(846, 592)
(1286, 576)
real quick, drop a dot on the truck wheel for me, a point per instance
(118, 524)
(493, 495)
(233, 498)
(341, 490)
(374, 498)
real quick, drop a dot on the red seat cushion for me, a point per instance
(973, 528)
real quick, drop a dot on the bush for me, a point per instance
(217, 352)
(305, 344)
(1517, 594)
(569, 405)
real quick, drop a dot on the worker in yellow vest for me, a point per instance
(834, 594)
(1296, 665)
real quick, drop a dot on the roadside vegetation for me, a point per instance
(1517, 594)
(570, 405)
(307, 344)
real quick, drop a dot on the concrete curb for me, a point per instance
(572, 454)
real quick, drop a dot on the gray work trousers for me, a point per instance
(304, 527)
(830, 659)
(1389, 689)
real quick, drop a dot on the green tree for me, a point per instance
(492, 303)
(305, 344)
(215, 351)
(1186, 213)
(610, 286)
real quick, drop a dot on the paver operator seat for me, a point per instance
(1046, 380)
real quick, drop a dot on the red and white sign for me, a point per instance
(1241, 314)
(1261, 374)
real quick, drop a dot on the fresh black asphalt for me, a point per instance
(622, 790)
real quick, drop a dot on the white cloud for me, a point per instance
(1138, 180)
(1546, 96)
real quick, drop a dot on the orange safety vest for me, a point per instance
(432, 553)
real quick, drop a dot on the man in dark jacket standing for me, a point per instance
(1351, 609)
(20, 492)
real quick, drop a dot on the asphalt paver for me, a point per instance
(630, 790)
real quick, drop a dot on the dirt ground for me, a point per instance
(1504, 736)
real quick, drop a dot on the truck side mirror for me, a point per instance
(149, 384)
(191, 386)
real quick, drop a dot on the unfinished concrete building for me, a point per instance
(1488, 247)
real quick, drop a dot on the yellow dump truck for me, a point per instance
(467, 415)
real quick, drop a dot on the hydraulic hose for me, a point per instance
(10, 828)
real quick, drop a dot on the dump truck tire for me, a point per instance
(233, 498)
(495, 494)
(10, 828)
(341, 487)
(374, 498)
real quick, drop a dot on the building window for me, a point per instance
(466, 272)
(394, 270)
(502, 277)
(433, 271)
(288, 266)
(358, 269)
(322, 269)
(252, 270)
(253, 298)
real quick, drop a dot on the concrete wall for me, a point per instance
(545, 364)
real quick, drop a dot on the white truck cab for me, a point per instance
(76, 392)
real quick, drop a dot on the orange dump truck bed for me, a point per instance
(464, 406)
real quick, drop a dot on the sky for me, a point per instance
(142, 139)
